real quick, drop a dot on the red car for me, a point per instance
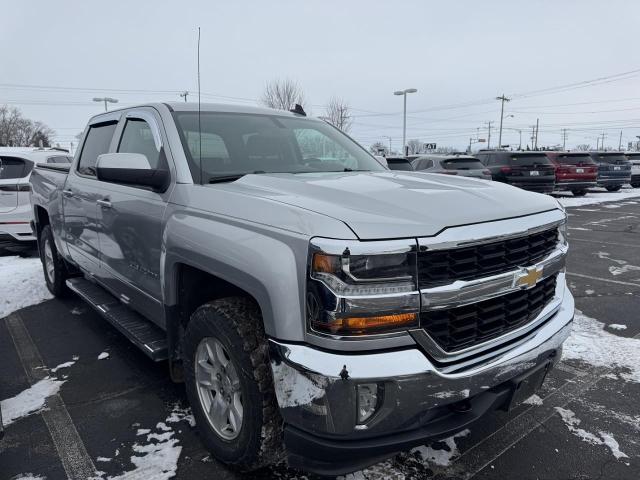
(575, 171)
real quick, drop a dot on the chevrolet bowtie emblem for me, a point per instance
(529, 277)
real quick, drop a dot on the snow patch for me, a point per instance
(29, 401)
(572, 422)
(103, 355)
(591, 343)
(441, 457)
(103, 459)
(589, 291)
(596, 196)
(62, 365)
(617, 326)
(179, 414)
(22, 284)
(533, 400)
(294, 389)
(28, 476)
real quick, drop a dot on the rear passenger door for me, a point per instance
(81, 193)
(130, 219)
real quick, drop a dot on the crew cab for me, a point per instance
(634, 159)
(317, 306)
(16, 164)
(614, 170)
(575, 171)
(528, 170)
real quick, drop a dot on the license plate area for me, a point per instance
(579, 170)
(534, 173)
(616, 168)
(525, 385)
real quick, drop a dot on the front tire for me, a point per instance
(53, 265)
(579, 193)
(229, 383)
(614, 188)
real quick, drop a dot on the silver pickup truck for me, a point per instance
(317, 306)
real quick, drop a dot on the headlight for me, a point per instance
(562, 233)
(354, 291)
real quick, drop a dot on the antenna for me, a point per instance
(199, 126)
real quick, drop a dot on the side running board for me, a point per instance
(140, 331)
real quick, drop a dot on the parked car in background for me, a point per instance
(16, 164)
(528, 170)
(614, 170)
(463, 165)
(575, 171)
(399, 163)
(634, 158)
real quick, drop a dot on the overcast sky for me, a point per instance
(458, 54)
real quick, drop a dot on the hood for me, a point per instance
(387, 204)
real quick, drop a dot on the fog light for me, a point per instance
(367, 401)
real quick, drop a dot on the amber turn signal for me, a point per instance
(325, 263)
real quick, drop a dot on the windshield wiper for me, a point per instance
(233, 177)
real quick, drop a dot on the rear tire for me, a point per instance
(579, 193)
(614, 188)
(53, 265)
(635, 185)
(236, 411)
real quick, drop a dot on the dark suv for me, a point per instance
(575, 171)
(614, 170)
(528, 170)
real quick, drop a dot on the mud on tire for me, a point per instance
(237, 324)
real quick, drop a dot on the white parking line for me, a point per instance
(591, 277)
(71, 450)
(573, 239)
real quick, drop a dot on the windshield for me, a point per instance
(462, 164)
(524, 159)
(611, 158)
(399, 164)
(236, 144)
(575, 159)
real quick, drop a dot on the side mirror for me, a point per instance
(131, 169)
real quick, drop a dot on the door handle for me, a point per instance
(104, 203)
(67, 193)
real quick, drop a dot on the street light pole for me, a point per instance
(404, 116)
(184, 95)
(503, 99)
(105, 100)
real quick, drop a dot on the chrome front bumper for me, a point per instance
(316, 390)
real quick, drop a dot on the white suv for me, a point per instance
(634, 158)
(16, 164)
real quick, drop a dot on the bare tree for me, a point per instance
(446, 150)
(18, 131)
(583, 147)
(415, 146)
(338, 114)
(282, 94)
(378, 148)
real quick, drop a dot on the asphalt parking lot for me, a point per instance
(116, 404)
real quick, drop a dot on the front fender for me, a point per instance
(268, 263)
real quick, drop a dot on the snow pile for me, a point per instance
(533, 400)
(596, 196)
(572, 422)
(22, 284)
(63, 365)
(617, 326)
(591, 343)
(29, 476)
(441, 457)
(103, 355)
(29, 401)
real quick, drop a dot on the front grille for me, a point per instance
(462, 327)
(442, 267)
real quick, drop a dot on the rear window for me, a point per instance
(399, 164)
(60, 159)
(611, 158)
(462, 164)
(11, 167)
(575, 159)
(525, 160)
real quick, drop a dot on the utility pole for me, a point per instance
(389, 145)
(620, 141)
(489, 133)
(503, 99)
(564, 139)
(537, 131)
(520, 133)
(533, 135)
(184, 95)
(603, 135)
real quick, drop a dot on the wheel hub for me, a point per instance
(48, 261)
(218, 386)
